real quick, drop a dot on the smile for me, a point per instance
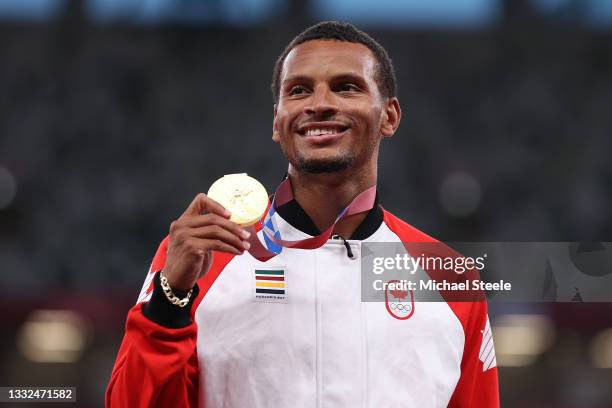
(318, 132)
(322, 128)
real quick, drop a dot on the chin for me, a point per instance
(324, 165)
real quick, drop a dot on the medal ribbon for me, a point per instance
(363, 202)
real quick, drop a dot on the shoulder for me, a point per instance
(405, 231)
(470, 307)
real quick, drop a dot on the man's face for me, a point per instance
(330, 114)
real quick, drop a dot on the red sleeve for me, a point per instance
(478, 386)
(156, 366)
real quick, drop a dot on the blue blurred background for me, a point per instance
(115, 113)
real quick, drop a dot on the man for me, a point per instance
(319, 345)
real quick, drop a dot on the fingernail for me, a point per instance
(245, 234)
(227, 213)
(246, 245)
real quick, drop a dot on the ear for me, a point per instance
(391, 116)
(275, 134)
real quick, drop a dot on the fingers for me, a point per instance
(201, 244)
(214, 219)
(205, 226)
(211, 227)
(217, 232)
(202, 204)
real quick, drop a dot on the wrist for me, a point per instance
(179, 286)
(176, 297)
(159, 310)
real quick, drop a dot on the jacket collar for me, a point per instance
(295, 215)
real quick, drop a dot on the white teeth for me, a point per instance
(319, 132)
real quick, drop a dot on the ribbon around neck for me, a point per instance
(284, 193)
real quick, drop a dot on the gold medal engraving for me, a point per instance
(245, 197)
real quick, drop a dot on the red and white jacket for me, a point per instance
(318, 346)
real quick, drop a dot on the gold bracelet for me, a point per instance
(170, 295)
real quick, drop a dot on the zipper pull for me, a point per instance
(349, 252)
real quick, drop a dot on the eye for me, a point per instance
(297, 90)
(348, 87)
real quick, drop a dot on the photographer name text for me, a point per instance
(441, 285)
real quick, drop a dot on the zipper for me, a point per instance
(349, 252)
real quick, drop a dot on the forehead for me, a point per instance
(327, 57)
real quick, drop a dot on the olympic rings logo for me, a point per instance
(399, 310)
(400, 306)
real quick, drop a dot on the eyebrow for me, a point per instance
(296, 78)
(343, 75)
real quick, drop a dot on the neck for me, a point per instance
(324, 196)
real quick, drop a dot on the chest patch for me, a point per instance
(270, 284)
(399, 303)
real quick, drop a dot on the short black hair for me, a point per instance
(340, 31)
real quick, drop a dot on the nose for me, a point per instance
(321, 103)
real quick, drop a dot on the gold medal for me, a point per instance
(245, 197)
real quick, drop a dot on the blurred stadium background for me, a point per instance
(114, 113)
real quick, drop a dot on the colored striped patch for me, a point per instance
(270, 285)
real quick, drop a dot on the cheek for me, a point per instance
(364, 109)
(283, 124)
(370, 119)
